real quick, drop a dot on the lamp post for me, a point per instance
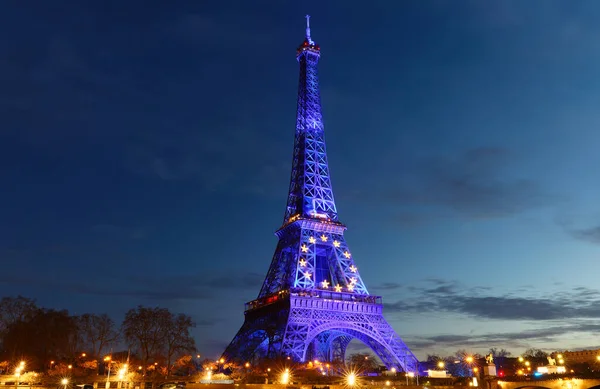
(108, 361)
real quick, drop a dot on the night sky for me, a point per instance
(146, 148)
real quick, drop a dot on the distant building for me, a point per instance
(582, 356)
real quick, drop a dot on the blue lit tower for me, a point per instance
(313, 301)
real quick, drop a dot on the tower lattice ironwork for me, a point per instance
(313, 301)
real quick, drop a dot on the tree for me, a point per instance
(535, 353)
(502, 353)
(460, 365)
(45, 335)
(364, 362)
(15, 309)
(144, 330)
(177, 337)
(89, 364)
(187, 364)
(98, 332)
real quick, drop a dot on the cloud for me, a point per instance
(475, 184)
(387, 286)
(591, 235)
(449, 297)
(519, 339)
(153, 288)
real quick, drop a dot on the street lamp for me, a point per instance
(285, 376)
(351, 378)
(17, 375)
(441, 364)
(64, 382)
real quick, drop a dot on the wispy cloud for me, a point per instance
(475, 184)
(518, 339)
(163, 288)
(387, 286)
(477, 302)
(591, 234)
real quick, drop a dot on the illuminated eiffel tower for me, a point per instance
(313, 301)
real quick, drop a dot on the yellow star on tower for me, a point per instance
(302, 262)
(336, 243)
(304, 248)
(353, 269)
(346, 254)
(351, 288)
(307, 275)
(324, 238)
(312, 239)
(338, 288)
(325, 284)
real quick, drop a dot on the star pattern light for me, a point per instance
(353, 280)
(353, 269)
(312, 239)
(325, 284)
(307, 275)
(338, 288)
(304, 248)
(336, 243)
(346, 254)
(351, 287)
(302, 262)
(324, 238)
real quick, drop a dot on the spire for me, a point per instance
(310, 193)
(308, 30)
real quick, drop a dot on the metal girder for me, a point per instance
(313, 301)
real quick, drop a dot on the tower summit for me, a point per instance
(310, 193)
(313, 301)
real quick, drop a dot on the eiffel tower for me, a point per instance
(313, 301)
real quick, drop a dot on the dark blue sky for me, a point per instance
(146, 150)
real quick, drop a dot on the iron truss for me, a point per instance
(313, 301)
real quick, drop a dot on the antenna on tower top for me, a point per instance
(308, 30)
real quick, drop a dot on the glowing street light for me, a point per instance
(520, 359)
(247, 364)
(441, 364)
(285, 376)
(351, 379)
(64, 382)
(469, 359)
